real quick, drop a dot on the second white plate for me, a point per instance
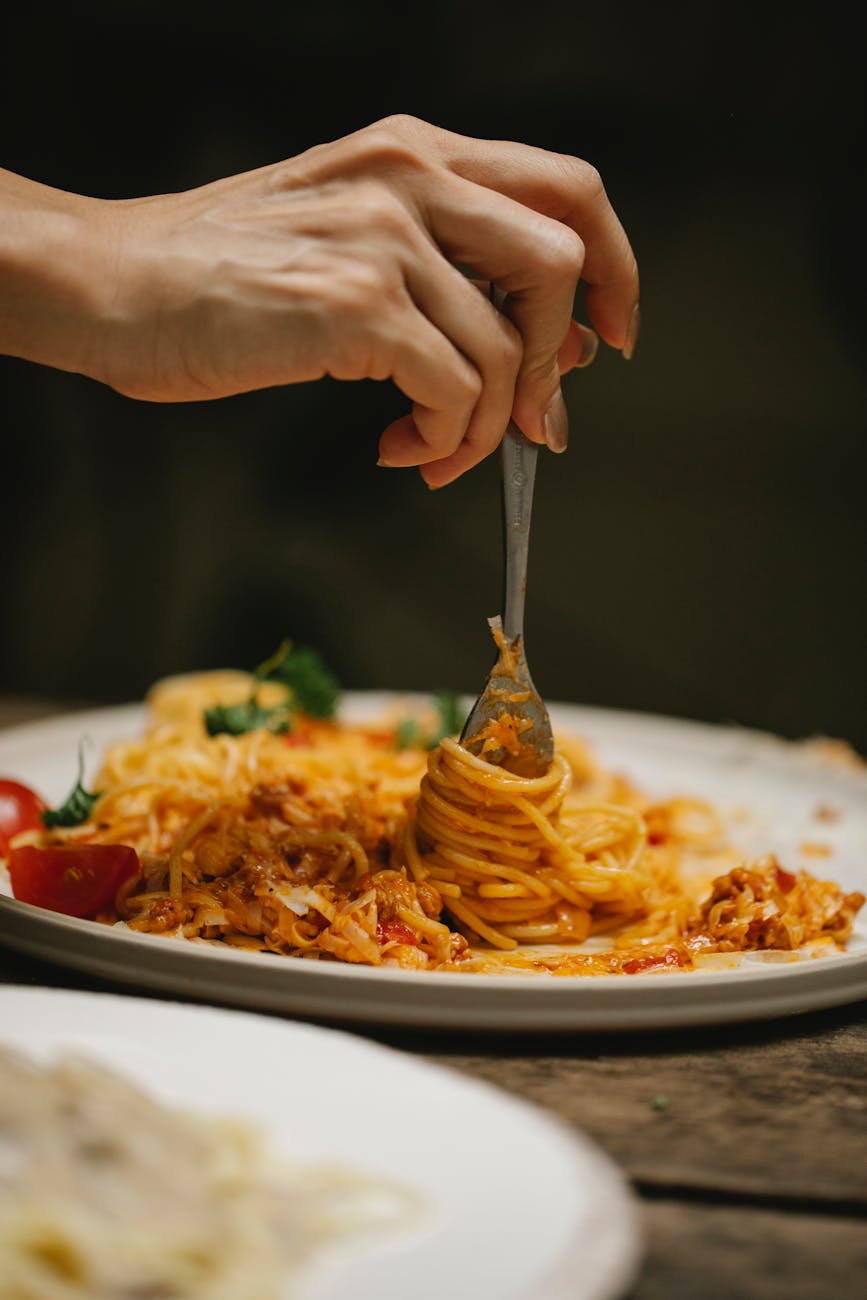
(513, 1204)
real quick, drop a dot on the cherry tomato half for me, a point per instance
(77, 879)
(20, 810)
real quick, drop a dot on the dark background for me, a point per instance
(700, 550)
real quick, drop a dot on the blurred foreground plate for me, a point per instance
(773, 796)
(515, 1205)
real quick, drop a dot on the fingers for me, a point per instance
(447, 437)
(559, 186)
(488, 340)
(578, 349)
(533, 259)
(441, 383)
(570, 191)
(441, 472)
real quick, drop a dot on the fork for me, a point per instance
(509, 689)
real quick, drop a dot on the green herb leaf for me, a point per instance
(407, 733)
(450, 720)
(309, 685)
(77, 806)
(315, 690)
(451, 716)
(237, 719)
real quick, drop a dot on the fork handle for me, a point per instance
(518, 467)
(518, 461)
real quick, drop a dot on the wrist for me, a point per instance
(53, 274)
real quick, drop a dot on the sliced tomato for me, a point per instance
(77, 879)
(21, 809)
(395, 932)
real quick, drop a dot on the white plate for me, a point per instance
(515, 1205)
(780, 785)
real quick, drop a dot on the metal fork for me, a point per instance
(509, 688)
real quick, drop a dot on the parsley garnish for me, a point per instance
(77, 806)
(236, 719)
(314, 689)
(310, 688)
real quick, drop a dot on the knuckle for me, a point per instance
(467, 386)
(585, 177)
(513, 348)
(391, 144)
(503, 355)
(563, 252)
(282, 176)
(402, 123)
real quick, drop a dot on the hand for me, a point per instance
(342, 261)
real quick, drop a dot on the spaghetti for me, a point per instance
(333, 842)
(516, 859)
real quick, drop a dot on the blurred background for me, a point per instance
(700, 550)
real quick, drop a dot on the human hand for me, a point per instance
(341, 261)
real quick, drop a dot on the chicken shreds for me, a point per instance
(252, 877)
(760, 905)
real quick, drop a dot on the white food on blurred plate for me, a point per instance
(107, 1194)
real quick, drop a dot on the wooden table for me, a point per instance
(746, 1145)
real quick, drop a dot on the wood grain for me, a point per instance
(766, 1110)
(697, 1252)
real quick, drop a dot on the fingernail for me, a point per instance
(632, 333)
(557, 423)
(589, 348)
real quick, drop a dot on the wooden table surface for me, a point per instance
(746, 1145)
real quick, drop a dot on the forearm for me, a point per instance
(52, 273)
